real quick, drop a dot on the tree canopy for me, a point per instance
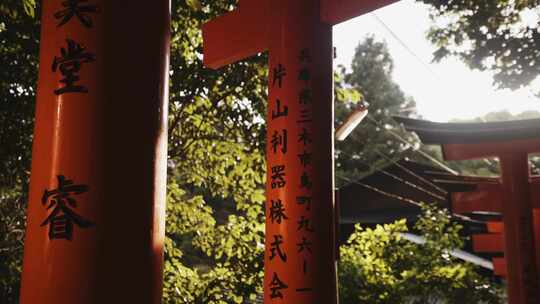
(215, 230)
(500, 36)
(370, 82)
(216, 159)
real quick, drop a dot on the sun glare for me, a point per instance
(443, 91)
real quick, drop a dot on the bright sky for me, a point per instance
(442, 91)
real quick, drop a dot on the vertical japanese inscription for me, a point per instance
(275, 249)
(279, 73)
(69, 64)
(74, 55)
(280, 112)
(76, 8)
(61, 201)
(277, 212)
(62, 217)
(304, 121)
(276, 286)
(278, 176)
(278, 142)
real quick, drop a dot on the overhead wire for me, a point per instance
(399, 197)
(400, 138)
(403, 44)
(424, 154)
(412, 185)
(388, 194)
(410, 172)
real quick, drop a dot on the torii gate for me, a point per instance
(300, 255)
(517, 211)
(488, 197)
(511, 142)
(96, 210)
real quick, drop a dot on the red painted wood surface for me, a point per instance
(520, 250)
(300, 256)
(488, 149)
(492, 242)
(495, 227)
(499, 267)
(337, 11)
(246, 31)
(487, 197)
(517, 203)
(535, 191)
(237, 35)
(111, 139)
(308, 272)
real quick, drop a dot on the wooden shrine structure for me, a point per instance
(395, 192)
(93, 165)
(98, 177)
(300, 260)
(514, 194)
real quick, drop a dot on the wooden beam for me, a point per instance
(237, 35)
(495, 227)
(487, 197)
(488, 242)
(337, 11)
(499, 267)
(535, 191)
(489, 149)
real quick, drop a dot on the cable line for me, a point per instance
(401, 180)
(429, 157)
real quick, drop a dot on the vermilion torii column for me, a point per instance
(96, 208)
(517, 211)
(511, 142)
(489, 197)
(300, 256)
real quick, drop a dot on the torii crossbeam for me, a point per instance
(511, 142)
(517, 211)
(300, 255)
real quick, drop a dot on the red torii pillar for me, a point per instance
(517, 211)
(96, 211)
(300, 256)
(488, 197)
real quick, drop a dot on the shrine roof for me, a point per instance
(462, 133)
(387, 194)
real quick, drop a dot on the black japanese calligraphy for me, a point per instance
(304, 137)
(278, 177)
(276, 286)
(277, 211)
(70, 64)
(279, 73)
(304, 201)
(78, 9)
(280, 112)
(305, 56)
(304, 245)
(279, 139)
(305, 181)
(305, 116)
(305, 96)
(304, 224)
(304, 74)
(275, 249)
(62, 217)
(305, 158)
